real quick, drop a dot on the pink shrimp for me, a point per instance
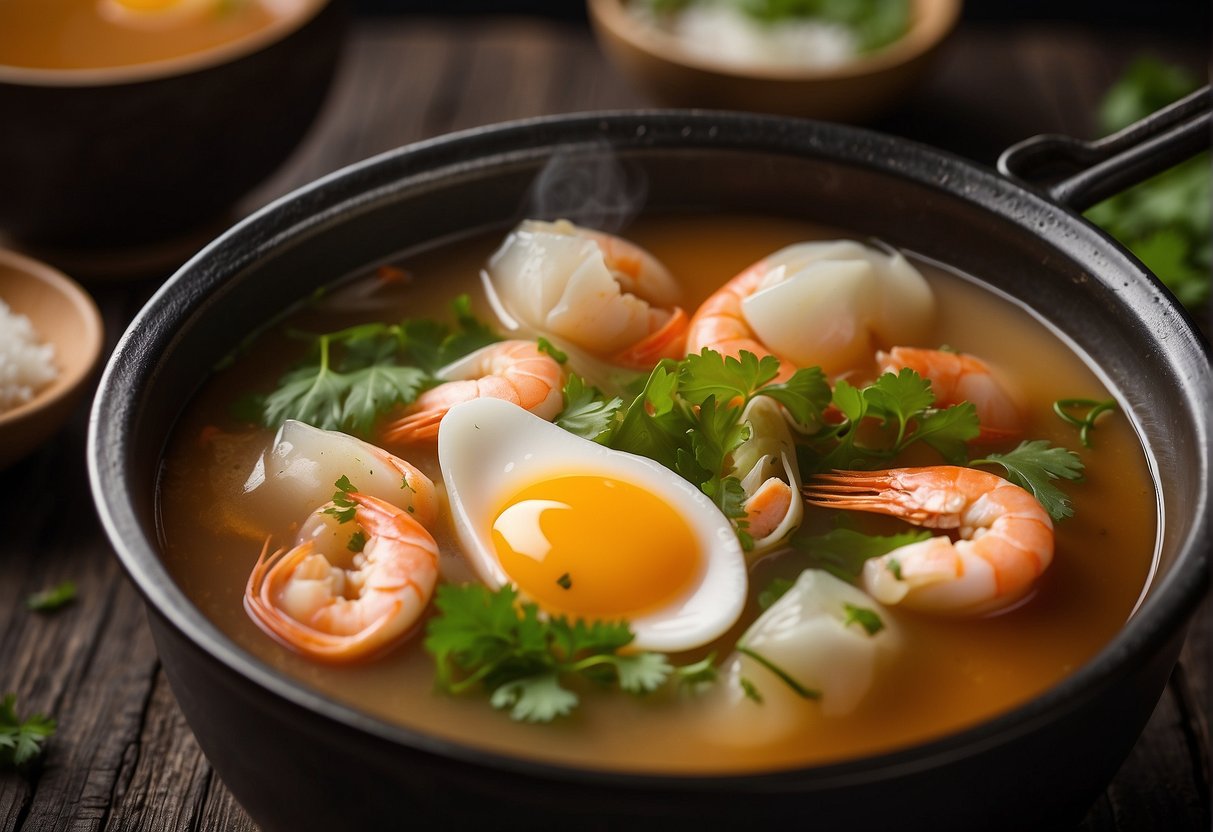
(1005, 536)
(516, 371)
(826, 303)
(587, 291)
(719, 324)
(338, 614)
(959, 377)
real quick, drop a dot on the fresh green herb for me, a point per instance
(785, 677)
(343, 508)
(21, 739)
(325, 397)
(875, 23)
(708, 374)
(356, 374)
(485, 638)
(842, 552)
(564, 581)
(775, 590)
(1165, 220)
(903, 406)
(587, 413)
(1033, 465)
(557, 355)
(49, 600)
(750, 691)
(688, 418)
(894, 567)
(1086, 422)
(698, 675)
(357, 541)
(866, 618)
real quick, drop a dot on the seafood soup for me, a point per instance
(738, 491)
(96, 34)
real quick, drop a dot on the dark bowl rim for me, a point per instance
(1163, 614)
(188, 64)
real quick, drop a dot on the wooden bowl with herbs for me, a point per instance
(840, 62)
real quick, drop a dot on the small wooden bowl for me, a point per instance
(62, 314)
(854, 91)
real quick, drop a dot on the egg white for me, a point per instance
(490, 449)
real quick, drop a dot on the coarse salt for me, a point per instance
(26, 366)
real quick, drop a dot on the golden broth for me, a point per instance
(97, 34)
(949, 673)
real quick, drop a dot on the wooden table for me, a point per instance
(123, 757)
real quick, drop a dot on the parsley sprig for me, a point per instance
(688, 417)
(21, 740)
(903, 405)
(1034, 465)
(486, 638)
(354, 375)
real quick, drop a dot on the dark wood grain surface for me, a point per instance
(123, 757)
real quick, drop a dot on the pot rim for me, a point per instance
(164, 68)
(1163, 613)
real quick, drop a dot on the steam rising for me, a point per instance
(588, 185)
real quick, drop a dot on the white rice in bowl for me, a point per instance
(26, 366)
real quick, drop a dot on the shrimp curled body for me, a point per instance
(1005, 536)
(960, 377)
(516, 371)
(337, 614)
(823, 303)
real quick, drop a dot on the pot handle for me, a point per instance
(1079, 174)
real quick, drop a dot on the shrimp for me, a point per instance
(765, 463)
(327, 612)
(821, 303)
(959, 377)
(596, 296)
(1006, 537)
(516, 371)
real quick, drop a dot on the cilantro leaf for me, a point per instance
(709, 374)
(373, 390)
(642, 672)
(864, 617)
(312, 394)
(948, 430)
(485, 638)
(55, 598)
(534, 698)
(547, 346)
(842, 552)
(343, 508)
(805, 395)
(1033, 465)
(587, 413)
(356, 374)
(21, 740)
(898, 398)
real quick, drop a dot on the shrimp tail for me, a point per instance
(669, 341)
(418, 427)
(878, 492)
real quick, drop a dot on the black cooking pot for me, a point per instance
(297, 760)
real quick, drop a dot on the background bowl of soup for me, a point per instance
(130, 121)
(261, 720)
(707, 65)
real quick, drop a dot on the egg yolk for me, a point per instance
(596, 547)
